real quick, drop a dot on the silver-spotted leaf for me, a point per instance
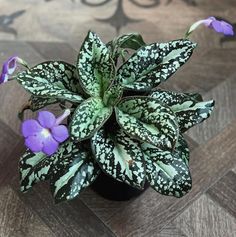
(120, 157)
(53, 79)
(113, 94)
(168, 172)
(95, 66)
(74, 171)
(189, 108)
(33, 168)
(37, 103)
(130, 41)
(153, 64)
(88, 118)
(148, 120)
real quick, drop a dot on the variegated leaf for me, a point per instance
(129, 41)
(120, 157)
(153, 64)
(95, 66)
(33, 168)
(37, 103)
(181, 149)
(88, 118)
(73, 172)
(54, 79)
(168, 172)
(113, 94)
(187, 107)
(146, 119)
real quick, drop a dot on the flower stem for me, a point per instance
(63, 116)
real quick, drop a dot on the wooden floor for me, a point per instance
(209, 210)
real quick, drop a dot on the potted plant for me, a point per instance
(121, 128)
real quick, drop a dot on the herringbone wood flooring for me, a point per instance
(208, 210)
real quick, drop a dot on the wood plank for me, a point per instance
(152, 211)
(224, 193)
(17, 220)
(225, 96)
(55, 51)
(205, 218)
(8, 140)
(170, 231)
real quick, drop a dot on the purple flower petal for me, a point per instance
(208, 21)
(60, 133)
(227, 28)
(30, 127)
(3, 78)
(46, 119)
(11, 64)
(50, 145)
(217, 26)
(34, 143)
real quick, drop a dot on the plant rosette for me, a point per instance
(120, 122)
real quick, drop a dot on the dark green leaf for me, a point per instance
(146, 119)
(129, 41)
(34, 168)
(167, 172)
(73, 172)
(88, 118)
(95, 66)
(54, 79)
(113, 94)
(187, 107)
(153, 64)
(120, 157)
(37, 103)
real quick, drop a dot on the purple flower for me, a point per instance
(9, 67)
(45, 133)
(219, 26)
(211, 22)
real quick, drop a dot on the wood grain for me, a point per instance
(224, 192)
(27, 222)
(205, 218)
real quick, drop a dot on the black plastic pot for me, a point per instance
(111, 189)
